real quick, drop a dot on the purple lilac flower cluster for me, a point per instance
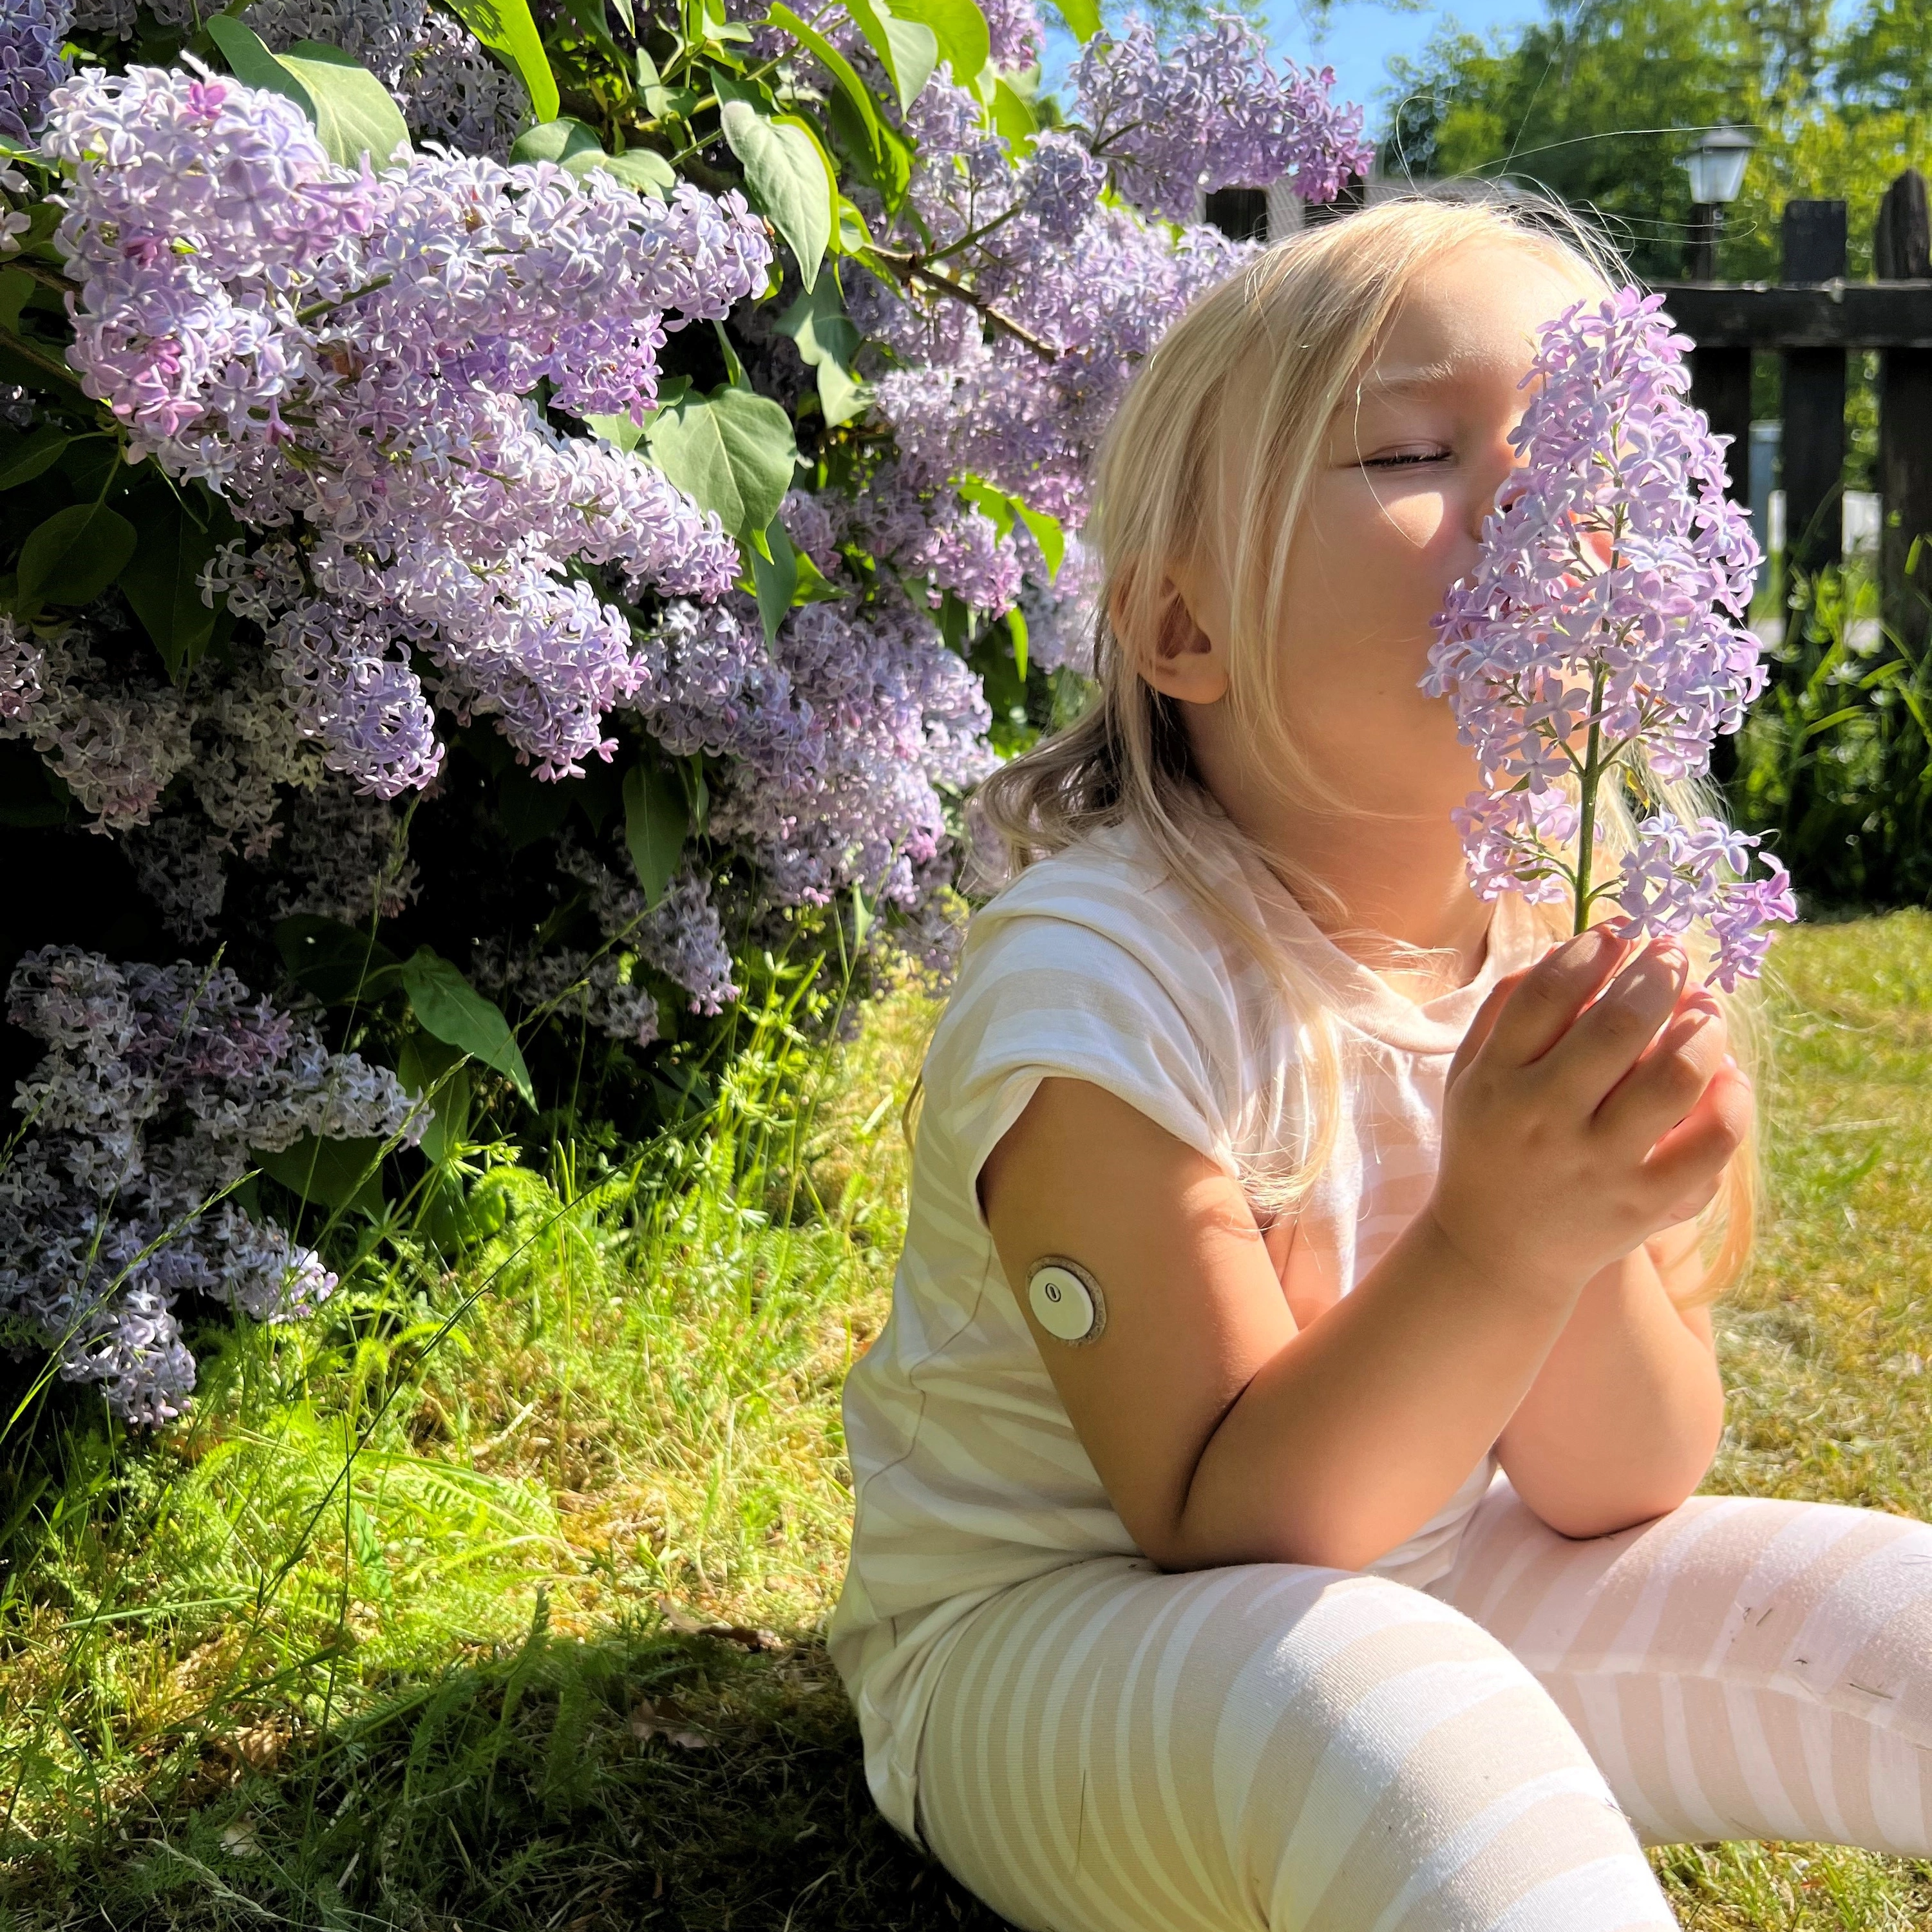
(1211, 113)
(1081, 289)
(157, 1083)
(31, 34)
(1601, 638)
(352, 355)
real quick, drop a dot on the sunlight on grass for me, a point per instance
(1827, 1346)
(405, 1624)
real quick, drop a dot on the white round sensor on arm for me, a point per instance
(1066, 1299)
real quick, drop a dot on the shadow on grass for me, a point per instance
(640, 1779)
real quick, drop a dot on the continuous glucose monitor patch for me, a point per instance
(1067, 1299)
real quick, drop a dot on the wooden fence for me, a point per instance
(1813, 318)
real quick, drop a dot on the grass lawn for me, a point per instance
(510, 1620)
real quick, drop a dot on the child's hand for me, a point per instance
(1565, 1144)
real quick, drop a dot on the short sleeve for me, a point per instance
(1041, 996)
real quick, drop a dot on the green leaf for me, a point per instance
(1004, 508)
(588, 16)
(25, 456)
(16, 286)
(428, 1066)
(160, 581)
(785, 172)
(341, 1174)
(1047, 532)
(448, 1006)
(774, 574)
(355, 113)
(1013, 119)
(340, 966)
(250, 62)
(828, 340)
(506, 29)
(1082, 18)
(559, 138)
(909, 50)
(731, 451)
(73, 556)
(643, 169)
(955, 620)
(572, 145)
(995, 505)
(841, 70)
(655, 823)
(960, 29)
(814, 587)
(529, 810)
(885, 166)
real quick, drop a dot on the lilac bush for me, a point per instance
(553, 567)
(1600, 640)
(159, 1085)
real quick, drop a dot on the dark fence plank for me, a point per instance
(1814, 451)
(1840, 315)
(1720, 385)
(1902, 250)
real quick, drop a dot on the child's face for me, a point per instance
(1411, 465)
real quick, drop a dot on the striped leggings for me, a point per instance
(1112, 1747)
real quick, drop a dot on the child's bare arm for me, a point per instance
(1224, 1435)
(1621, 1422)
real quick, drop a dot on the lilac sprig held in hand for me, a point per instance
(1606, 612)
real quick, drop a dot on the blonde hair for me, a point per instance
(1310, 309)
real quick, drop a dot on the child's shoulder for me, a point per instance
(1109, 884)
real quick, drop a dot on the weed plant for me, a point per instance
(1835, 759)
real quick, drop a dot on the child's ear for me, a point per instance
(1180, 657)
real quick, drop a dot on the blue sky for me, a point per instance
(1361, 36)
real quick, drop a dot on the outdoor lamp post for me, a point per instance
(1716, 166)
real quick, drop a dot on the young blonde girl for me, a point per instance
(1274, 1481)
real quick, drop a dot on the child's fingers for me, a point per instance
(1662, 1088)
(1689, 1160)
(1483, 1024)
(1609, 1036)
(1546, 1001)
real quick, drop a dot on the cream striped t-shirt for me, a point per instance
(1094, 964)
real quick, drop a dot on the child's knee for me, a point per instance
(1386, 1756)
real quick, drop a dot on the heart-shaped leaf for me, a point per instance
(731, 451)
(162, 580)
(784, 171)
(73, 556)
(340, 1174)
(355, 113)
(250, 62)
(447, 1006)
(959, 27)
(26, 456)
(559, 138)
(338, 965)
(655, 825)
(909, 50)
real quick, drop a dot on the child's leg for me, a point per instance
(1741, 1668)
(1113, 1747)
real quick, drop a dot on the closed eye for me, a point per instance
(1405, 458)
